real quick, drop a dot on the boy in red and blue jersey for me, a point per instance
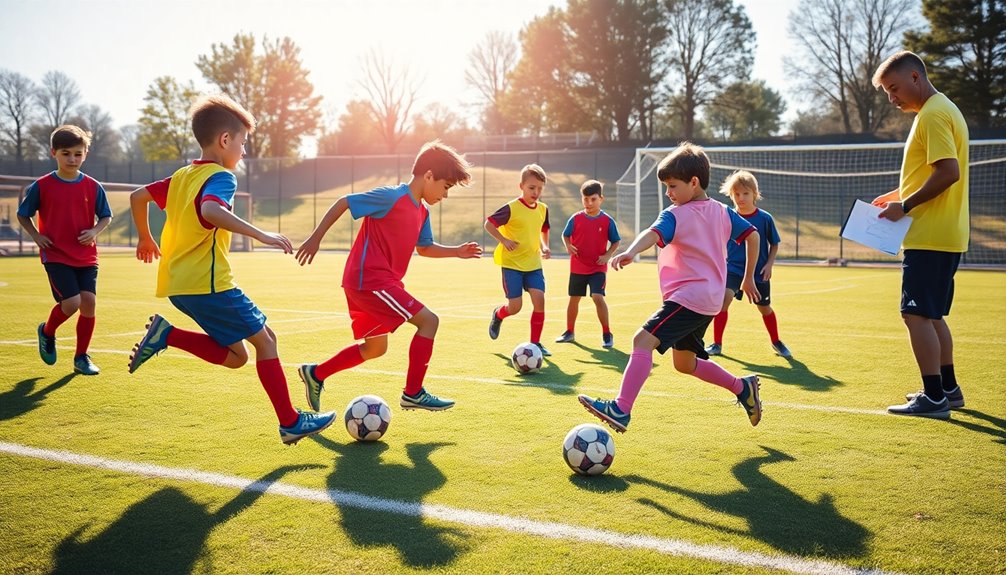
(72, 210)
(590, 237)
(396, 223)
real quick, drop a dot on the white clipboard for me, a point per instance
(864, 226)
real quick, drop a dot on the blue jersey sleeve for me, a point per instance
(221, 185)
(739, 227)
(773, 233)
(101, 207)
(613, 231)
(29, 205)
(426, 233)
(375, 203)
(664, 225)
(567, 232)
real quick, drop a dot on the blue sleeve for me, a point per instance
(773, 233)
(101, 207)
(425, 233)
(613, 231)
(664, 225)
(222, 186)
(739, 227)
(567, 232)
(375, 203)
(29, 205)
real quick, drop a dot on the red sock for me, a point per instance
(198, 344)
(345, 359)
(604, 329)
(270, 373)
(420, 353)
(771, 326)
(502, 313)
(85, 329)
(719, 326)
(56, 319)
(537, 324)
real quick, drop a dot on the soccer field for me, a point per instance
(178, 468)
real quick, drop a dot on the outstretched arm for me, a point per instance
(146, 248)
(464, 251)
(644, 241)
(310, 247)
(225, 219)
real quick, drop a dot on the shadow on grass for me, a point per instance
(613, 359)
(23, 398)
(606, 483)
(996, 430)
(380, 503)
(162, 534)
(774, 513)
(796, 373)
(550, 377)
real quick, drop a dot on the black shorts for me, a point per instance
(578, 283)
(764, 288)
(679, 327)
(927, 282)
(67, 281)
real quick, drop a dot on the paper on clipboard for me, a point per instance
(865, 227)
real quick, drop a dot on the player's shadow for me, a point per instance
(613, 359)
(163, 534)
(24, 398)
(997, 429)
(380, 503)
(551, 376)
(795, 373)
(773, 512)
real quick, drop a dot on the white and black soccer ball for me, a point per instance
(526, 358)
(588, 449)
(367, 418)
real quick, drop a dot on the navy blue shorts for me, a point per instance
(764, 288)
(578, 283)
(927, 282)
(679, 327)
(228, 316)
(66, 281)
(515, 282)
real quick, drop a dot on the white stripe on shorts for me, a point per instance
(399, 309)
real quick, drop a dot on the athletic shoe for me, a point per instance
(607, 412)
(749, 399)
(46, 346)
(154, 342)
(922, 406)
(307, 424)
(541, 348)
(780, 349)
(494, 325)
(955, 396)
(312, 385)
(82, 364)
(566, 337)
(425, 400)
(714, 349)
(607, 340)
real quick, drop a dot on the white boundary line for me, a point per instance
(677, 547)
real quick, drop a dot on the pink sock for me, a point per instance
(711, 372)
(635, 374)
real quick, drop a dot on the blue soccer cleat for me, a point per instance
(82, 364)
(46, 346)
(566, 337)
(541, 348)
(306, 424)
(607, 412)
(714, 349)
(425, 400)
(781, 350)
(154, 342)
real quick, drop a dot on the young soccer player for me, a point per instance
(590, 237)
(521, 228)
(396, 221)
(692, 270)
(72, 210)
(195, 273)
(742, 187)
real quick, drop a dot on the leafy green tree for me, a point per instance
(165, 132)
(746, 110)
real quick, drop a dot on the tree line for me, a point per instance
(625, 70)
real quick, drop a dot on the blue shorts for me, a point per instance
(228, 316)
(578, 284)
(66, 281)
(734, 282)
(516, 282)
(927, 282)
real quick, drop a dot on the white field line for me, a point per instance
(479, 519)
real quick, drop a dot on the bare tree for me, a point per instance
(840, 43)
(489, 67)
(391, 89)
(130, 143)
(18, 108)
(56, 96)
(104, 137)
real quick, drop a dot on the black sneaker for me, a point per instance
(566, 337)
(955, 396)
(922, 406)
(781, 350)
(494, 325)
(607, 340)
(541, 348)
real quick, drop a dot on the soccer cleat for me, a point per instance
(46, 346)
(955, 396)
(780, 349)
(307, 424)
(154, 342)
(494, 325)
(714, 349)
(749, 398)
(82, 364)
(541, 348)
(425, 400)
(922, 406)
(312, 385)
(566, 337)
(607, 412)
(607, 340)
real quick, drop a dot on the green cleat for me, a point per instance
(425, 400)
(154, 342)
(46, 346)
(82, 364)
(312, 385)
(749, 399)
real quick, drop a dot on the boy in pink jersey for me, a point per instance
(692, 235)
(396, 222)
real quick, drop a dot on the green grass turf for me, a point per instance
(826, 475)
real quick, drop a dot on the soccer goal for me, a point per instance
(810, 189)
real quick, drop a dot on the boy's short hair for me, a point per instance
(903, 60)
(592, 188)
(213, 115)
(687, 161)
(68, 136)
(444, 162)
(532, 170)
(740, 179)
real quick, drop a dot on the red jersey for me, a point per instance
(64, 210)
(590, 235)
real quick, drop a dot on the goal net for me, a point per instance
(810, 189)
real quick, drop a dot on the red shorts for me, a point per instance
(380, 312)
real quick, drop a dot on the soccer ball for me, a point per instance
(588, 449)
(367, 418)
(526, 358)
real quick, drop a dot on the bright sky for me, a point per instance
(114, 49)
